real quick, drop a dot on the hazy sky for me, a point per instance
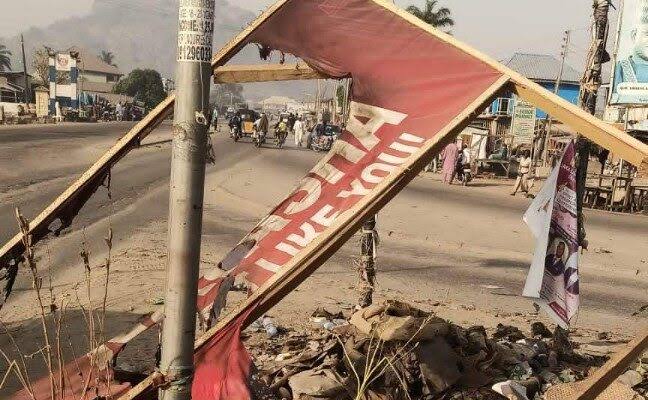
(496, 27)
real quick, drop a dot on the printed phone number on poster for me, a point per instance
(194, 39)
(197, 3)
(194, 53)
(201, 26)
(196, 13)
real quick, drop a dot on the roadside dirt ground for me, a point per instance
(462, 252)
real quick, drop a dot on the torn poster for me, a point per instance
(553, 278)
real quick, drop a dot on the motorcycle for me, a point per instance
(280, 137)
(235, 133)
(259, 138)
(464, 173)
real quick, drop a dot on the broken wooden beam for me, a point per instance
(618, 363)
(264, 73)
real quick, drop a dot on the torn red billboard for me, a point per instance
(408, 86)
(413, 89)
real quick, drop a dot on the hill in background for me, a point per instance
(142, 34)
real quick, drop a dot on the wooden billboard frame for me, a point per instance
(264, 73)
(301, 266)
(322, 248)
(589, 126)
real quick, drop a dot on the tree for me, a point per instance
(226, 92)
(5, 58)
(40, 64)
(432, 14)
(108, 57)
(144, 85)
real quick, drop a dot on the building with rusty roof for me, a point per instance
(95, 75)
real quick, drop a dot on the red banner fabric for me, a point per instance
(407, 86)
(222, 366)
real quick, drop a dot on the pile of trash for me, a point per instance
(394, 351)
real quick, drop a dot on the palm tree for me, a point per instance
(107, 57)
(437, 17)
(5, 59)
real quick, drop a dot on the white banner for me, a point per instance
(553, 278)
(523, 122)
(63, 62)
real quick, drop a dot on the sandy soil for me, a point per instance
(462, 252)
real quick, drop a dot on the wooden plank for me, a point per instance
(124, 145)
(604, 376)
(584, 123)
(239, 41)
(264, 73)
(618, 142)
(323, 247)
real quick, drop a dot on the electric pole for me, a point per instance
(563, 56)
(27, 92)
(195, 37)
(590, 84)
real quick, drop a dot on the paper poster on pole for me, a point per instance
(630, 79)
(553, 278)
(195, 30)
(523, 122)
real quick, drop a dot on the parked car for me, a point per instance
(322, 137)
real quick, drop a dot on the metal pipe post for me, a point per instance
(195, 36)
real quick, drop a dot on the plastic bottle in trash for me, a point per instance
(328, 325)
(269, 327)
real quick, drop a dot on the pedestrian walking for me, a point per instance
(119, 111)
(450, 155)
(298, 130)
(214, 121)
(524, 169)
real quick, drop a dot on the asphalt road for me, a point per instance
(437, 240)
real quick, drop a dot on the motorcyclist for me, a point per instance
(235, 121)
(282, 128)
(463, 161)
(291, 121)
(261, 125)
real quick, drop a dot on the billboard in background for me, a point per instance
(630, 80)
(523, 122)
(63, 62)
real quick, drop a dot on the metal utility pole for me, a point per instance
(367, 267)
(27, 92)
(590, 84)
(563, 55)
(195, 37)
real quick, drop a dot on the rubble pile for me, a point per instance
(395, 351)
